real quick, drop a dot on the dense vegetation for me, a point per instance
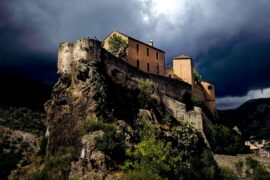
(183, 156)
(224, 140)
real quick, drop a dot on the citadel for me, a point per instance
(150, 59)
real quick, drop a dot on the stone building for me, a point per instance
(151, 59)
(141, 55)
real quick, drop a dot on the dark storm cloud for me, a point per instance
(228, 40)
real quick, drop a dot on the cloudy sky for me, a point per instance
(228, 40)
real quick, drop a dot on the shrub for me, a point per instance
(146, 90)
(151, 155)
(94, 124)
(197, 77)
(141, 174)
(252, 163)
(111, 144)
(42, 146)
(56, 166)
(224, 140)
(259, 172)
(228, 174)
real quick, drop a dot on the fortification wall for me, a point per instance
(179, 112)
(170, 87)
(88, 49)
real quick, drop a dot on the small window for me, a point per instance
(157, 55)
(210, 87)
(138, 48)
(138, 63)
(157, 69)
(147, 51)
(148, 67)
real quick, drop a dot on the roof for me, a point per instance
(182, 57)
(135, 40)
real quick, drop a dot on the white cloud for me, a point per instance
(230, 102)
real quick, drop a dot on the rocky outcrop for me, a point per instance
(97, 88)
(89, 77)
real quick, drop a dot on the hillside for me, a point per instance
(252, 118)
(20, 132)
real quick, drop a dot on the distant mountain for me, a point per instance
(17, 91)
(252, 118)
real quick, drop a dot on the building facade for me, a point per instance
(151, 59)
(141, 55)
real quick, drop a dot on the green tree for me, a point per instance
(118, 46)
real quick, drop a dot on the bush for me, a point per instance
(43, 146)
(151, 155)
(56, 166)
(228, 174)
(146, 90)
(259, 172)
(224, 140)
(111, 144)
(94, 124)
(140, 175)
(197, 77)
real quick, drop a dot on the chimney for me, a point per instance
(151, 43)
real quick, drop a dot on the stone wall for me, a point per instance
(178, 110)
(167, 86)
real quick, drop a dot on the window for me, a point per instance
(148, 67)
(157, 69)
(147, 51)
(210, 87)
(157, 55)
(138, 63)
(138, 48)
